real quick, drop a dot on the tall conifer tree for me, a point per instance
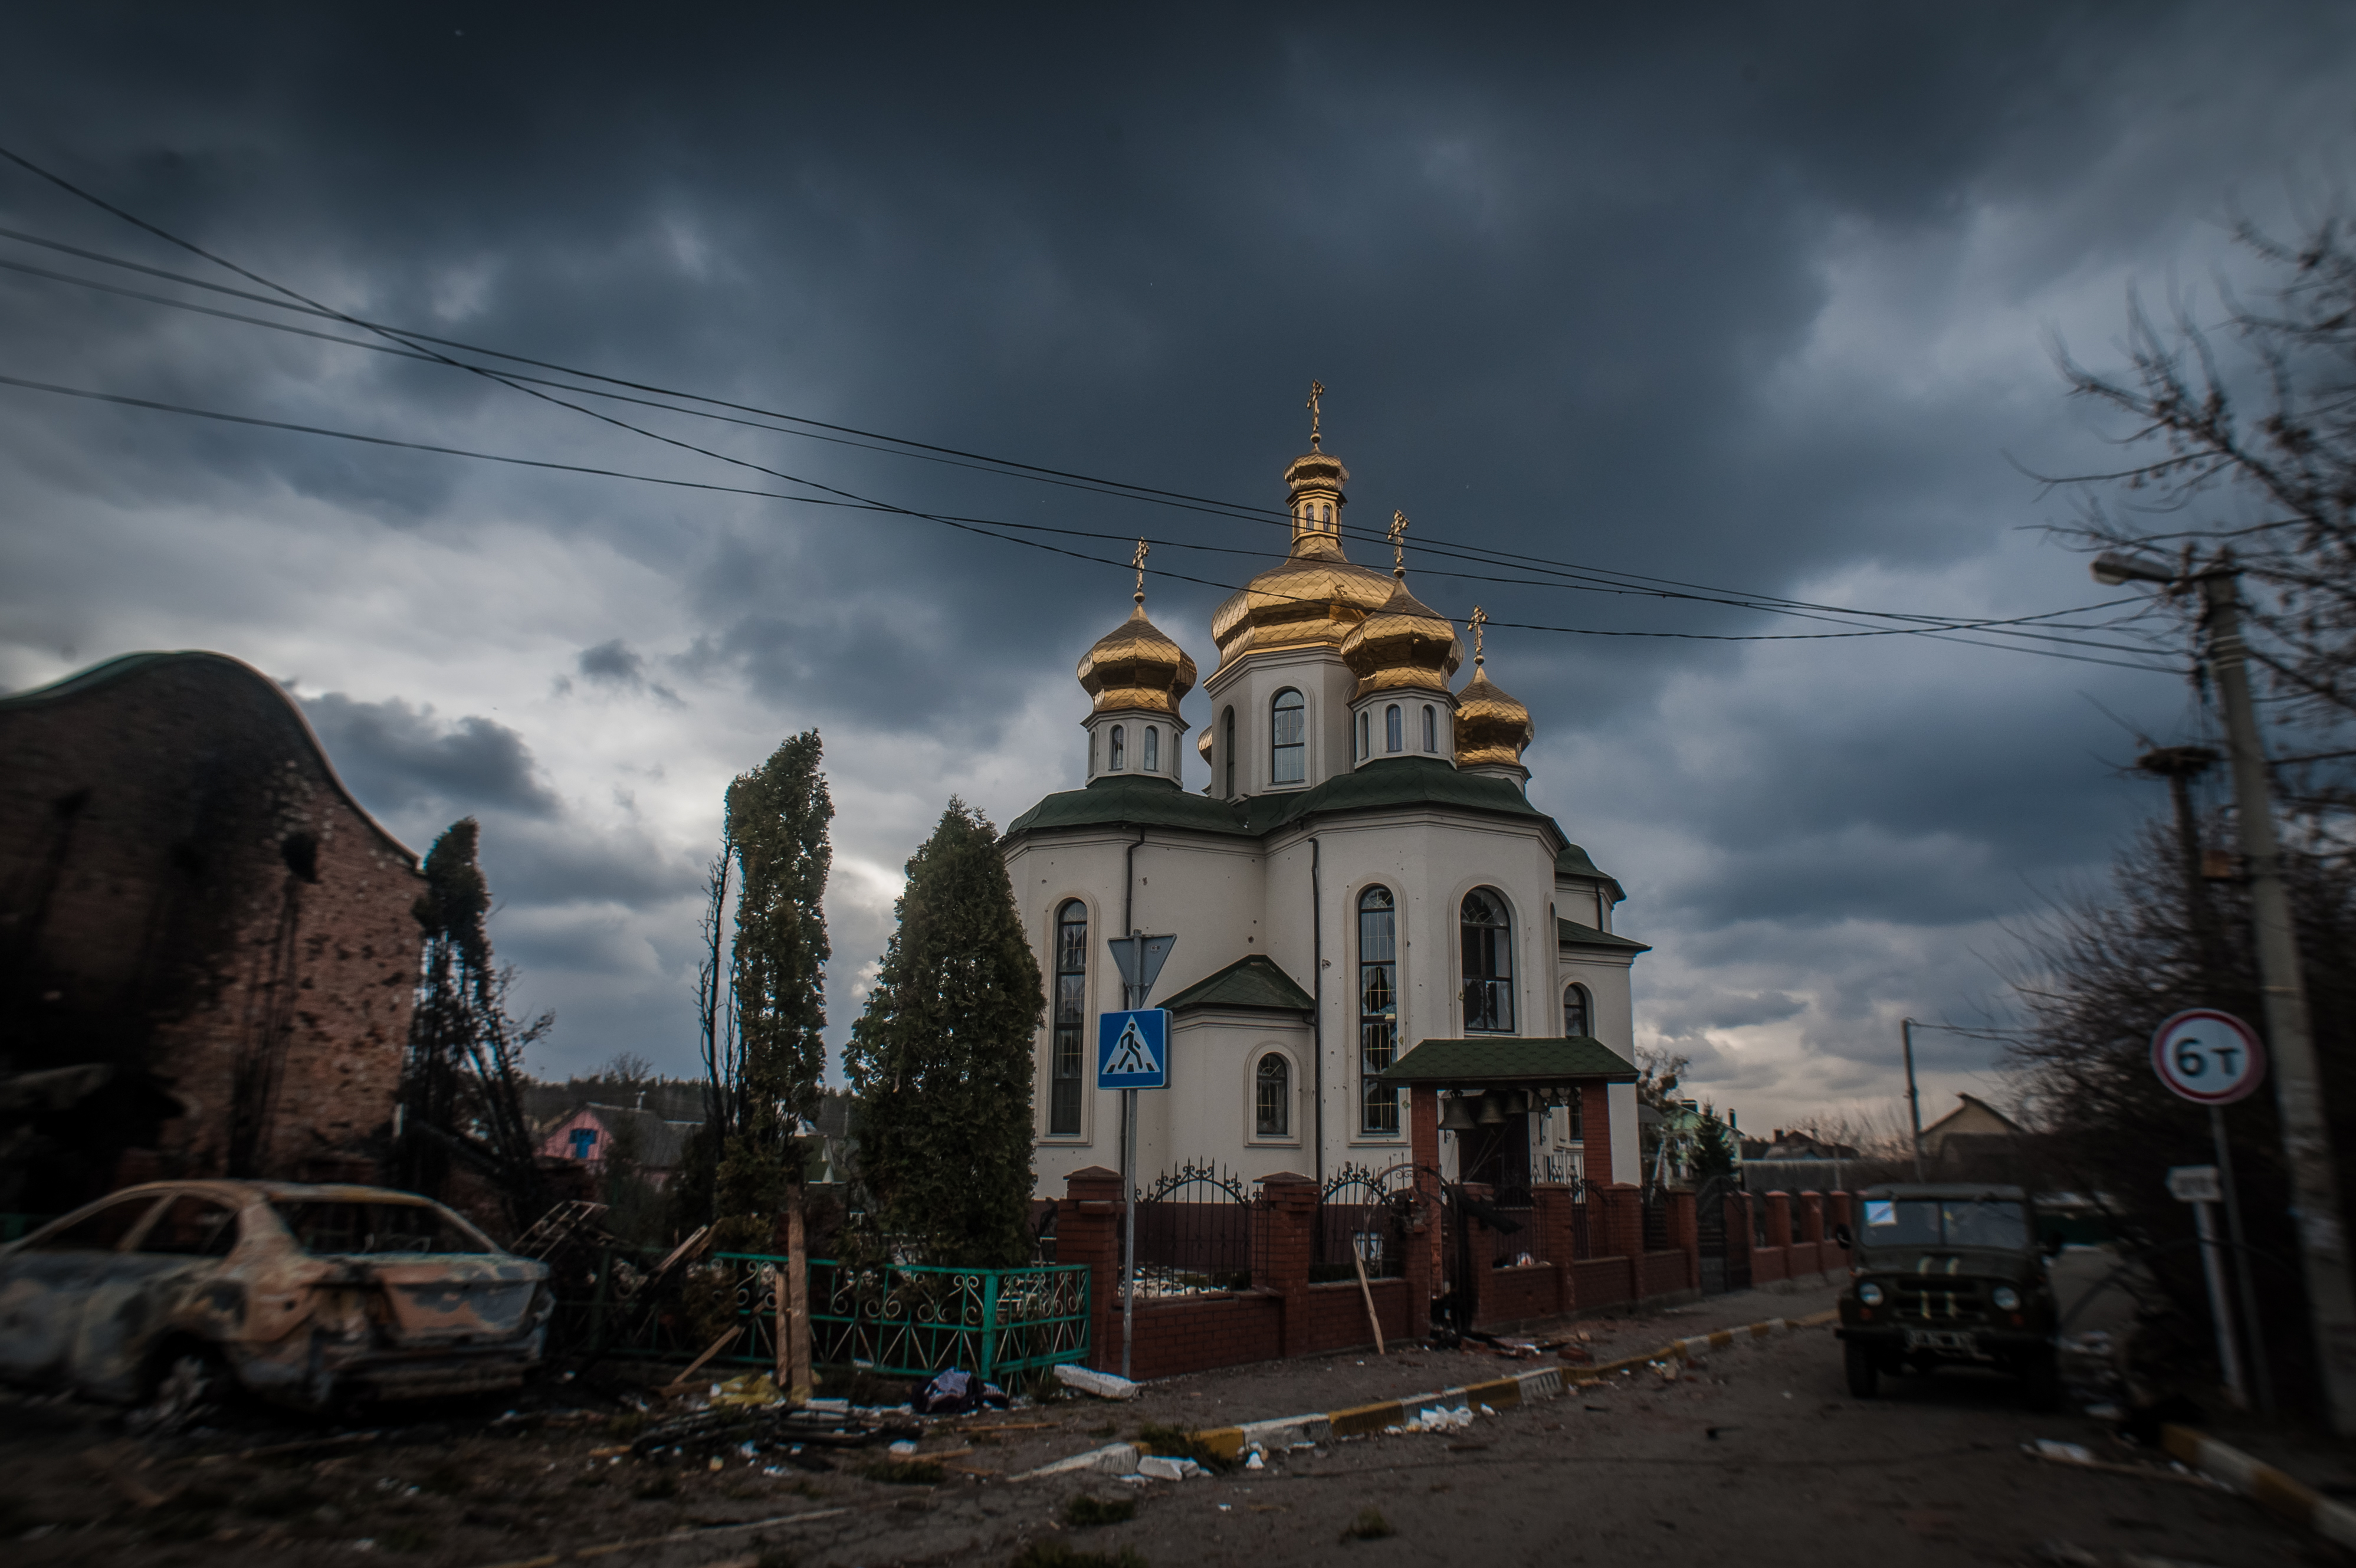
(941, 1058)
(778, 825)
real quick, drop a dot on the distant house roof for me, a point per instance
(1251, 982)
(1972, 1118)
(1571, 934)
(1507, 1060)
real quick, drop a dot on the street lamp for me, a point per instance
(2307, 1144)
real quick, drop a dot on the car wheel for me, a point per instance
(193, 1384)
(1864, 1373)
(2040, 1381)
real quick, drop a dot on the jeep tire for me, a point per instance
(2040, 1379)
(1864, 1369)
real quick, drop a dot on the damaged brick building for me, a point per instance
(207, 957)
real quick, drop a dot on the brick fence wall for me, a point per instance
(1282, 1314)
(1798, 1231)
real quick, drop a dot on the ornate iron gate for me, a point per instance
(1723, 1268)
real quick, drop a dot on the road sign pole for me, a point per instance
(2260, 1374)
(1131, 996)
(2221, 1312)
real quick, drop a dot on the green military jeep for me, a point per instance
(1947, 1275)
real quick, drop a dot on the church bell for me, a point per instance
(1456, 1116)
(1492, 1112)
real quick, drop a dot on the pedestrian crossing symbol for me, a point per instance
(1133, 1049)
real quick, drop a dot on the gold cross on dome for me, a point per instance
(1137, 561)
(1399, 550)
(1316, 390)
(1479, 619)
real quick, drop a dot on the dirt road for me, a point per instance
(1759, 1454)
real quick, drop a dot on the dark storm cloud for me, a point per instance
(396, 756)
(1569, 272)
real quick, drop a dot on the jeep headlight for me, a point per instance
(1870, 1294)
(2006, 1298)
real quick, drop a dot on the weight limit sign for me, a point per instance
(2209, 1058)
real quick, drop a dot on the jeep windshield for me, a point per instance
(1996, 1223)
(347, 1230)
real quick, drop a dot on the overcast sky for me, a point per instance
(1762, 297)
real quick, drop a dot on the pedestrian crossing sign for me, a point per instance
(1133, 1049)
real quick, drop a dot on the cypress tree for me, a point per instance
(778, 825)
(941, 1058)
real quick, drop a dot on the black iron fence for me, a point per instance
(1361, 1212)
(1193, 1232)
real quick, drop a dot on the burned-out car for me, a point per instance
(1948, 1275)
(162, 1295)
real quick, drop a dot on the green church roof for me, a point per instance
(1253, 982)
(1506, 1061)
(1574, 862)
(1130, 800)
(1571, 934)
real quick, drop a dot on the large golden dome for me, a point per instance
(1134, 666)
(1404, 646)
(1316, 595)
(1491, 728)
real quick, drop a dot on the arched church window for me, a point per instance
(1228, 748)
(1488, 933)
(1577, 1011)
(1393, 739)
(1272, 1098)
(1361, 737)
(1377, 1007)
(1071, 1019)
(1119, 745)
(1152, 749)
(1430, 727)
(1288, 732)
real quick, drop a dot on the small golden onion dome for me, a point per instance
(1404, 646)
(1491, 728)
(1134, 666)
(1316, 595)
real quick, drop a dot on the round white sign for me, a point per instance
(2208, 1057)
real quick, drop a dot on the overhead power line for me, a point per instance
(986, 528)
(2013, 627)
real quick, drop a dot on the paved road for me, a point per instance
(1757, 1457)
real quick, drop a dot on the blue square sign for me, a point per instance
(1133, 1049)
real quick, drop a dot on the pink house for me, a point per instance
(594, 1133)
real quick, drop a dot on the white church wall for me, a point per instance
(1324, 683)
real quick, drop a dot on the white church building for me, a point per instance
(1360, 874)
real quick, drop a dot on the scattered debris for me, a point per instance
(1370, 1525)
(1168, 1467)
(1104, 1385)
(717, 1345)
(2056, 1451)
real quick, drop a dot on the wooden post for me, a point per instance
(796, 1381)
(780, 1331)
(1374, 1319)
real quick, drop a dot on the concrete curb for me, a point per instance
(1500, 1393)
(2275, 1491)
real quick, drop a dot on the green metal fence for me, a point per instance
(899, 1319)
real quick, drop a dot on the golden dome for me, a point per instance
(1404, 646)
(1134, 666)
(1491, 728)
(1316, 595)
